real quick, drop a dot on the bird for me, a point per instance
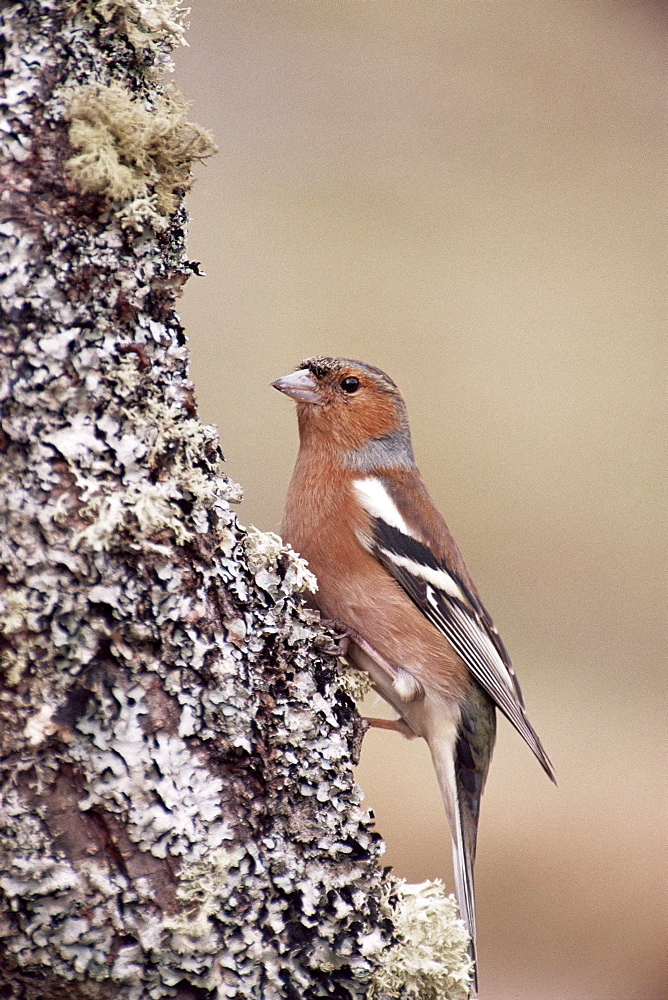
(390, 574)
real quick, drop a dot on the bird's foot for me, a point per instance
(344, 635)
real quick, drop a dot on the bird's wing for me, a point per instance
(449, 605)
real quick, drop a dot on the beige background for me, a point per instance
(468, 194)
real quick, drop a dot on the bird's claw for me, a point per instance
(344, 634)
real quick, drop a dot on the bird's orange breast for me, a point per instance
(321, 522)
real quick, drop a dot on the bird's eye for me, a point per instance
(350, 384)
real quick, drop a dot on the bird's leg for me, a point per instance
(396, 725)
(350, 635)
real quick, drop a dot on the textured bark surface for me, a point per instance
(179, 816)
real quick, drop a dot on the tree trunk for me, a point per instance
(178, 814)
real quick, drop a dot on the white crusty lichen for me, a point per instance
(170, 803)
(430, 959)
(264, 550)
(70, 909)
(202, 884)
(138, 157)
(145, 430)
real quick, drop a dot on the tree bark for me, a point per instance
(178, 815)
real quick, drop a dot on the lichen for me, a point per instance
(177, 801)
(430, 959)
(149, 25)
(13, 609)
(141, 510)
(137, 157)
(356, 683)
(264, 550)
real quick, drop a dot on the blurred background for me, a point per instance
(469, 195)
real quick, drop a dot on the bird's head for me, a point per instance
(352, 409)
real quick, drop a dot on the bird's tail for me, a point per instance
(462, 859)
(463, 832)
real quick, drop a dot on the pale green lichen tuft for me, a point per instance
(14, 656)
(150, 507)
(14, 663)
(430, 960)
(13, 610)
(147, 24)
(356, 683)
(202, 883)
(184, 441)
(135, 156)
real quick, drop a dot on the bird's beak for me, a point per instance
(301, 385)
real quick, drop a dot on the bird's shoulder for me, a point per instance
(399, 498)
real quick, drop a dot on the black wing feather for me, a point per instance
(463, 621)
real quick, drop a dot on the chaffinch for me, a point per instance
(388, 568)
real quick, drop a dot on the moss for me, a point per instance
(430, 960)
(135, 156)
